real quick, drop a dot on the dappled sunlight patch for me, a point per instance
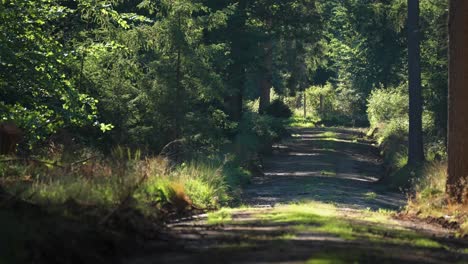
(370, 195)
(327, 173)
(329, 135)
(221, 216)
(325, 220)
(381, 216)
(303, 122)
(334, 258)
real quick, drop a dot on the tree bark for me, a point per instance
(305, 104)
(321, 106)
(415, 144)
(457, 186)
(178, 86)
(265, 82)
(235, 103)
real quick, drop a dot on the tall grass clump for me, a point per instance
(205, 184)
(429, 198)
(152, 184)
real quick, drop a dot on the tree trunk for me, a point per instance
(457, 185)
(321, 106)
(415, 147)
(234, 104)
(265, 82)
(178, 88)
(305, 104)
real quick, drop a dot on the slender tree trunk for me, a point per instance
(321, 105)
(457, 181)
(415, 147)
(265, 83)
(178, 91)
(305, 104)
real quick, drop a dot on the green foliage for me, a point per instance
(388, 114)
(329, 104)
(257, 133)
(385, 105)
(278, 109)
(37, 90)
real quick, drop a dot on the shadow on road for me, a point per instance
(332, 165)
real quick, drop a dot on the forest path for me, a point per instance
(317, 203)
(332, 165)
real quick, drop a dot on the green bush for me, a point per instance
(257, 133)
(279, 109)
(385, 105)
(331, 105)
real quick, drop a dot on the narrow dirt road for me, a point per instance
(323, 164)
(317, 203)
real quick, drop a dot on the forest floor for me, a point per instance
(318, 202)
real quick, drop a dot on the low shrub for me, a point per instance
(385, 105)
(257, 133)
(278, 109)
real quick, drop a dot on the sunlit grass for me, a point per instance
(298, 121)
(429, 198)
(328, 135)
(327, 219)
(327, 173)
(370, 195)
(150, 183)
(222, 216)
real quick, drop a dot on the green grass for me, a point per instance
(328, 135)
(370, 196)
(327, 173)
(222, 216)
(150, 182)
(298, 121)
(320, 218)
(429, 198)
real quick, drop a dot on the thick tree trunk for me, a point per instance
(234, 104)
(457, 181)
(265, 82)
(415, 147)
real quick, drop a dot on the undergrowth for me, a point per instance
(430, 201)
(149, 182)
(425, 184)
(128, 190)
